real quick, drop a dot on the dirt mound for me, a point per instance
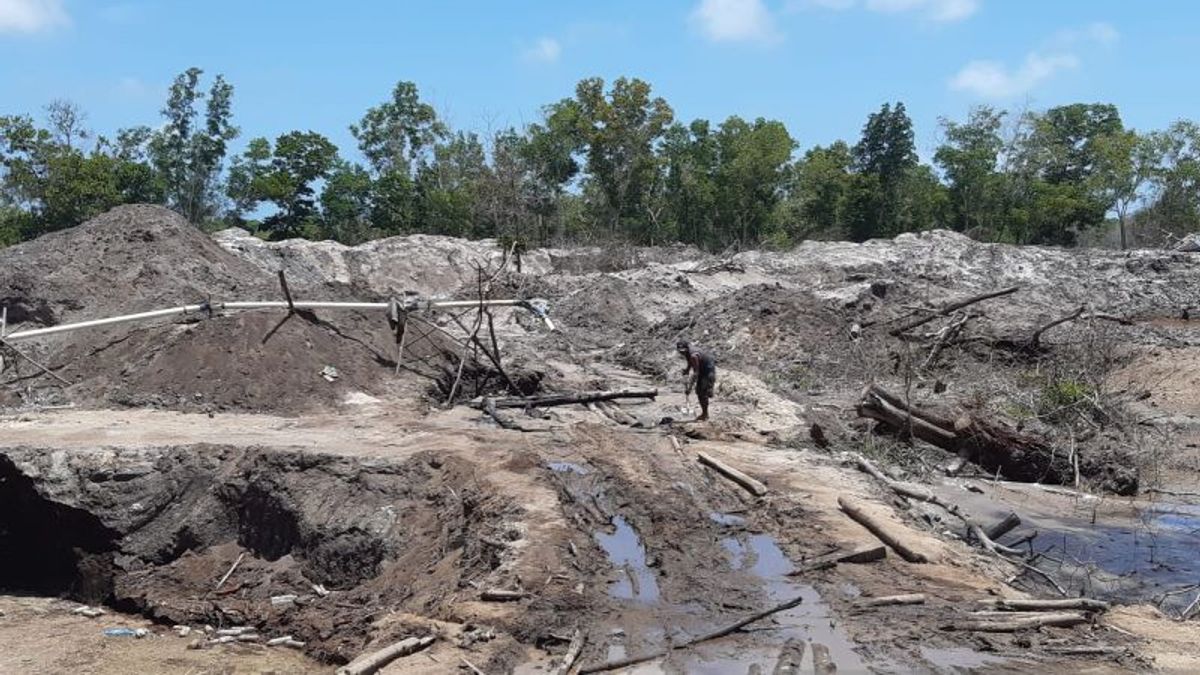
(140, 258)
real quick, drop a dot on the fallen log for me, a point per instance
(572, 655)
(791, 658)
(549, 400)
(991, 445)
(1010, 522)
(855, 510)
(1084, 604)
(862, 554)
(891, 600)
(634, 660)
(1063, 620)
(749, 484)
(375, 661)
(822, 662)
(952, 307)
(501, 595)
(1094, 650)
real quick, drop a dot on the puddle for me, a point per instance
(627, 554)
(760, 556)
(727, 519)
(567, 467)
(1130, 558)
(958, 659)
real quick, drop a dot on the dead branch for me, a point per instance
(501, 595)
(572, 654)
(1035, 339)
(944, 337)
(43, 368)
(890, 600)
(1065, 619)
(230, 572)
(623, 663)
(953, 307)
(862, 554)
(549, 400)
(1084, 604)
(855, 510)
(375, 661)
(749, 484)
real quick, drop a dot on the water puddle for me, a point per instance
(759, 555)
(958, 659)
(628, 555)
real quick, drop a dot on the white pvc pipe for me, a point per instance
(265, 304)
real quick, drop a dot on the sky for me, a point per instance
(820, 66)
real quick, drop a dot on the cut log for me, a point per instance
(549, 400)
(822, 662)
(572, 655)
(882, 531)
(375, 661)
(501, 595)
(1064, 620)
(1093, 650)
(1084, 604)
(749, 484)
(991, 445)
(1010, 522)
(791, 658)
(952, 307)
(862, 554)
(890, 600)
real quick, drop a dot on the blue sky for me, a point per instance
(819, 65)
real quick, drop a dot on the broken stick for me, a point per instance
(44, 368)
(749, 484)
(952, 307)
(890, 600)
(862, 554)
(375, 661)
(624, 663)
(573, 651)
(1064, 620)
(501, 595)
(855, 510)
(230, 572)
(549, 400)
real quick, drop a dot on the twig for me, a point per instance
(471, 666)
(30, 359)
(230, 572)
(952, 307)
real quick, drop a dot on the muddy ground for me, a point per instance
(356, 510)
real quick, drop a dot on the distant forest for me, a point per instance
(610, 163)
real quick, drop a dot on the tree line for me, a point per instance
(609, 163)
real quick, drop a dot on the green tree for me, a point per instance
(620, 130)
(751, 176)
(1126, 162)
(187, 151)
(691, 155)
(969, 158)
(283, 175)
(346, 204)
(819, 193)
(884, 157)
(448, 186)
(396, 134)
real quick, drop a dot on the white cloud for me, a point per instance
(942, 11)
(31, 16)
(545, 50)
(1100, 32)
(992, 79)
(735, 21)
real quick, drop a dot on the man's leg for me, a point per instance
(703, 392)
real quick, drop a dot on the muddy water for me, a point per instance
(1139, 555)
(627, 554)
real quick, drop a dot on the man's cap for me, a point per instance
(683, 346)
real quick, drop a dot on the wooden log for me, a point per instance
(634, 660)
(501, 595)
(375, 661)
(791, 658)
(749, 484)
(890, 600)
(855, 510)
(1087, 650)
(549, 400)
(1010, 522)
(1062, 620)
(573, 651)
(1084, 604)
(862, 554)
(822, 661)
(952, 307)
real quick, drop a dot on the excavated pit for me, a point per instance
(152, 530)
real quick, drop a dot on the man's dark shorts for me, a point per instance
(705, 383)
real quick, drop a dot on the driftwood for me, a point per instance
(863, 554)
(549, 400)
(791, 658)
(1065, 619)
(822, 662)
(1084, 604)
(375, 661)
(993, 446)
(890, 600)
(950, 308)
(573, 651)
(732, 628)
(883, 532)
(749, 484)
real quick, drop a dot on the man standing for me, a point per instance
(703, 372)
